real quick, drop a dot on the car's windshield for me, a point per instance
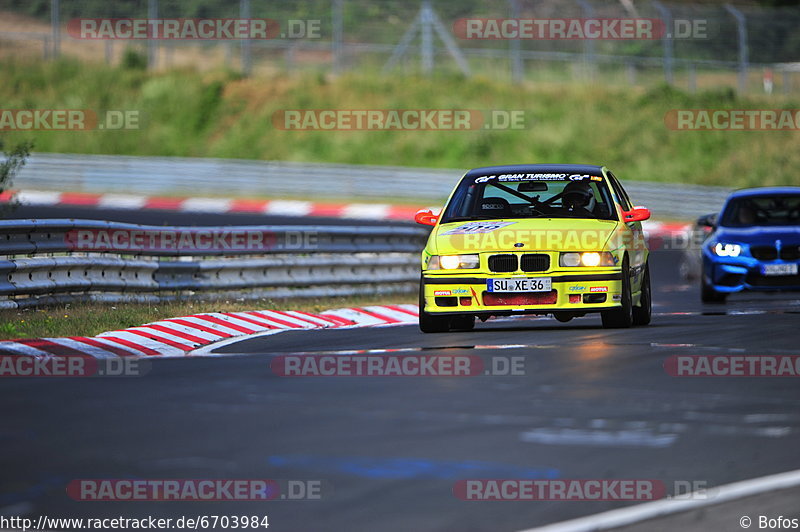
(777, 210)
(531, 195)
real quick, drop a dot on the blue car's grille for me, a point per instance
(764, 252)
(771, 252)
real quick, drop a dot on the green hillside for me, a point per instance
(185, 113)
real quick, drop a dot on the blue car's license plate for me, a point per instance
(779, 269)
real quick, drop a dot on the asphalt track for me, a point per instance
(593, 403)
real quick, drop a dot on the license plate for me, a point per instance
(779, 269)
(534, 284)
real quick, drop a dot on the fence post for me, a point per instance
(427, 37)
(247, 60)
(514, 46)
(588, 44)
(338, 35)
(152, 13)
(55, 23)
(744, 59)
(630, 69)
(669, 45)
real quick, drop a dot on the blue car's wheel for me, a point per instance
(709, 295)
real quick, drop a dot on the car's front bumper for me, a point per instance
(736, 274)
(572, 291)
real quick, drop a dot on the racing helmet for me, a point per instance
(578, 194)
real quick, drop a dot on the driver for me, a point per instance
(578, 198)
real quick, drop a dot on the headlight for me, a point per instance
(453, 262)
(726, 250)
(589, 259)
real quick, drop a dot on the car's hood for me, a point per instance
(759, 235)
(540, 234)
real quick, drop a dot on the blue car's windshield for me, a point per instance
(531, 196)
(753, 211)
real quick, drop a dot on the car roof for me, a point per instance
(764, 191)
(538, 168)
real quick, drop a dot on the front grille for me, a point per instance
(754, 279)
(522, 299)
(764, 252)
(535, 262)
(790, 253)
(503, 263)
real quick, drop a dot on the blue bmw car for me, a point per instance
(754, 243)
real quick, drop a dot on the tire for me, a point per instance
(622, 317)
(428, 323)
(462, 323)
(709, 295)
(644, 312)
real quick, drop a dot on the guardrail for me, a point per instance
(197, 176)
(54, 261)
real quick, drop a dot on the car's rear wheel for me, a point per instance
(709, 295)
(644, 312)
(430, 323)
(621, 317)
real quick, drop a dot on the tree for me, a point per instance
(13, 162)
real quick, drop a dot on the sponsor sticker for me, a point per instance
(598, 289)
(442, 293)
(472, 228)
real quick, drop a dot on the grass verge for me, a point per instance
(94, 318)
(219, 114)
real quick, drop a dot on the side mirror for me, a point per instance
(709, 220)
(426, 217)
(637, 214)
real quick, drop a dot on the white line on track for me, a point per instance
(651, 510)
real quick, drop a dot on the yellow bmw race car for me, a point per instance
(535, 239)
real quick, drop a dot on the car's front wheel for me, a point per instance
(430, 323)
(621, 317)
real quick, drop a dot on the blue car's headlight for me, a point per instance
(722, 249)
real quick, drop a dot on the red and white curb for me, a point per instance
(355, 211)
(184, 336)
(358, 211)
